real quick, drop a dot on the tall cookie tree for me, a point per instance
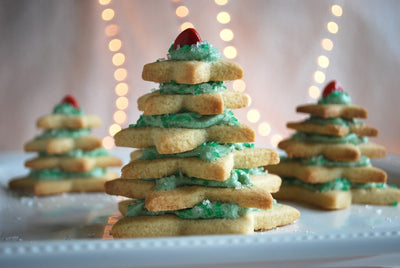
(197, 170)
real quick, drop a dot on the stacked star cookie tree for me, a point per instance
(69, 158)
(196, 172)
(328, 163)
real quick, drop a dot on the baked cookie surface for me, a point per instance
(69, 158)
(197, 171)
(328, 158)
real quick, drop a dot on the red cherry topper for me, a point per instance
(71, 101)
(188, 37)
(331, 87)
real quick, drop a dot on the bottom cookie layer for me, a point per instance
(49, 187)
(171, 225)
(329, 200)
(376, 196)
(339, 199)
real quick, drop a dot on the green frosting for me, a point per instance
(202, 88)
(78, 153)
(322, 161)
(64, 133)
(334, 120)
(239, 178)
(67, 109)
(57, 174)
(204, 210)
(336, 97)
(335, 185)
(207, 151)
(201, 51)
(186, 120)
(308, 137)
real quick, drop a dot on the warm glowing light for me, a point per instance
(108, 142)
(182, 11)
(223, 17)
(314, 92)
(107, 14)
(327, 44)
(186, 25)
(112, 30)
(337, 10)
(118, 59)
(264, 129)
(323, 61)
(121, 89)
(230, 52)
(276, 139)
(226, 35)
(253, 116)
(119, 117)
(113, 129)
(104, 2)
(319, 77)
(332, 27)
(114, 45)
(221, 2)
(120, 74)
(122, 103)
(239, 85)
(249, 99)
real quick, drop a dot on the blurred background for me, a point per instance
(289, 50)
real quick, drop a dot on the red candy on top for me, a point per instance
(70, 100)
(188, 37)
(331, 87)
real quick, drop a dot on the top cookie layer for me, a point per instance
(191, 72)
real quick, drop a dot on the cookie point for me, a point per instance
(69, 99)
(187, 37)
(332, 86)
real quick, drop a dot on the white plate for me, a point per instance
(73, 230)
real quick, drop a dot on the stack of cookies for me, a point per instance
(196, 170)
(328, 158)
(69, 158)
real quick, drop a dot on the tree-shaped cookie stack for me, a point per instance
(328, 163)
(69, 159)
(197, 171)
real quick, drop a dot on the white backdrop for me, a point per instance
(52, 48)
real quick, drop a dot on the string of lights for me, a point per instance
(118, 59)
(327, 44)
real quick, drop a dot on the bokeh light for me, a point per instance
(264, 129)
(314, 92)
(327, 44)
(323, 61)
(230, 52)
(107, 14)
(223, 17)
(319, 77)
(114, 45)
(337, 10)
(332, 27)
(182, 11)
(239, 85)
(226, 35)
(121, 89)
(253, 116)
